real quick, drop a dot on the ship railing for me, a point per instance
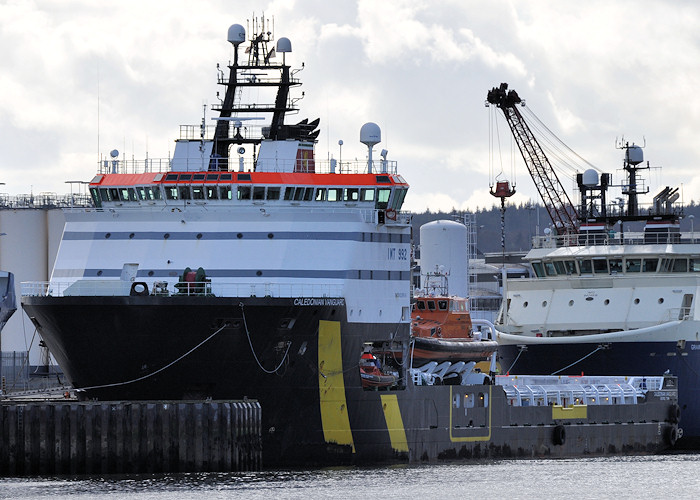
(530, 390)
(197, 164)
(113, 288)
(606, 239)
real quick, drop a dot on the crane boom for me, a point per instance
(550, 189)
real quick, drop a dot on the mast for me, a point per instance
(258, 72)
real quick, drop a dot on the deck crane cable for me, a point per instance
(564, 161)
(536, 118)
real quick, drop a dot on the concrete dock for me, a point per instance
(71, 437)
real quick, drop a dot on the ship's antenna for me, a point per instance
(98, 112)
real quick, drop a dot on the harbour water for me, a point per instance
(647, 477)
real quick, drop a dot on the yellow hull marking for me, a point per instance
(564, 412)
(331, 386)
(394, 422)
(470, 438)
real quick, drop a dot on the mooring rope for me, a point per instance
(250, 343)
(117, 384)
(576, 362)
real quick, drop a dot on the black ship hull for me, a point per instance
(618, 358)
(299, 358)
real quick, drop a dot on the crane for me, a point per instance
(550, 189)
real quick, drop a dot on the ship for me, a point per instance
(245, 268)
(618, 297)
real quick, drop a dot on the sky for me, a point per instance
(79, 78)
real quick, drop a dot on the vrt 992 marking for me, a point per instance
(397, 253)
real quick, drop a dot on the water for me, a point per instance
(651, 477)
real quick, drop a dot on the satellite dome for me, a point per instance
(590, 178)
(284, 45)
(370, 134)
(236, 34)
(635, 155)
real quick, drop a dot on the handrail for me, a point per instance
(116, 288)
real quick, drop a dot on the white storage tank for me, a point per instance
(443, 245)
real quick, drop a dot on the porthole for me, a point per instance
(606, 301)
(571, 303)
(199, 236)
(589, 299)
(636, 301)
(258, 273)
(108, 235)
(544, 303)
(99, 273)
(166, 236)
(661, 300)
(131, 236)
(151, 273)
(270, 235)
(525, 304)
(239, 235)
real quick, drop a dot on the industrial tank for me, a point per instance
(443, 248)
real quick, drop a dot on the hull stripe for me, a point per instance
(394, 422)
(331, 386)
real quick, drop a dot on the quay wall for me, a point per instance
(71, 437)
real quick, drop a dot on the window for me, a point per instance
(559, 266)
(95, 193)
(212, 192)
(585, 266)
(600, 266)
(185, 192)
(539, 270)
(680, 266)
(259, 193)
(352, 194)
(694, 265)
(104, 195)
(431, 305)
(185, 177)
(399, 195)
(198, 177)
(442, 305)
(298, 194)
(225, 193)
(383, 195)
(171, 192)
(549, 269)
(308, 194)
(649, 265)
(273, 193)
(570, 266)
(367, 194)
(666, 265)
(633, 265)
(321, 194)
(420, 305)
(335, 194)
(288, 193)
(615, 265)
(212, 177)
(244, 192)
(197, 192)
